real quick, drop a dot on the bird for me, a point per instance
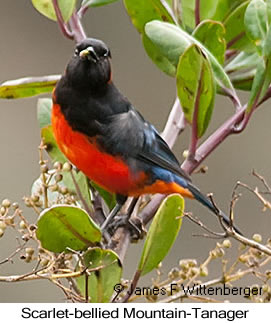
(100, 132)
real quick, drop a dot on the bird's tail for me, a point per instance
(205, 201)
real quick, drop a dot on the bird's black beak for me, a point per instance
(90, 54)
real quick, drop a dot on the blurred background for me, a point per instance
(32, 45)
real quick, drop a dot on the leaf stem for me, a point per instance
(62, 25)
(197, 12)
(77, 28)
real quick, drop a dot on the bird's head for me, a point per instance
(90, 65)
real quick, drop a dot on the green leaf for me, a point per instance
(101, 282)
(162, 233)
(224, 8)
(235, 29)
(96, 3)
(267, 44)
(28, 86)
(209, 9)
(211, 35)
(109, 198)
(196, 87)
(142, 11)
(260, 83)
(64, 226)
(268, 11)
(46, 8)
(51, 145)
(256, 22)
(244, 80)
(44, 110)
(159, 59)
(82, 182)
(242, 61)
(172, 41)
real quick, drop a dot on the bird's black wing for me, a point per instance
(129, 135)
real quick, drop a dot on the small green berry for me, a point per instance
(22, 225)
(58, 178)
(54, 188)
(63, 190)
(44, 262)
(174, 273)
(257, 237)
(203, 271)
(35, 198)
(27, 202)
(3, 225)
(67, 167)
(29, 251)
(15, 205)
(226, 243)
(6, 203)
(57, 165)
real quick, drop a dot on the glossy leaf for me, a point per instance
(101, 282)
(172, 41)
(256, 22)
(82, 182)
(242, 61)
(260, 83)
(46, 8)
(162, 233)
(142, 11)
(224, 8)
(64, 226)
(235, 28)
(196, 87)
(268, 11)
(211, 35)
(28, 86)
(267, 44)
(96, 3)
(44, 110)
(159, 59)
(209, 9)
(243, 81)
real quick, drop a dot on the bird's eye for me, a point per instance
(76, 52)
(107, 53)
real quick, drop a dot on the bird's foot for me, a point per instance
(134, 225)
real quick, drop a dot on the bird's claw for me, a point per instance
(134, 225)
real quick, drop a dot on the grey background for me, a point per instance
(31, 45)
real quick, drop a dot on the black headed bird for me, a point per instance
(104, 136)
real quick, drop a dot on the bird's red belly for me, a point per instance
(108, 171)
